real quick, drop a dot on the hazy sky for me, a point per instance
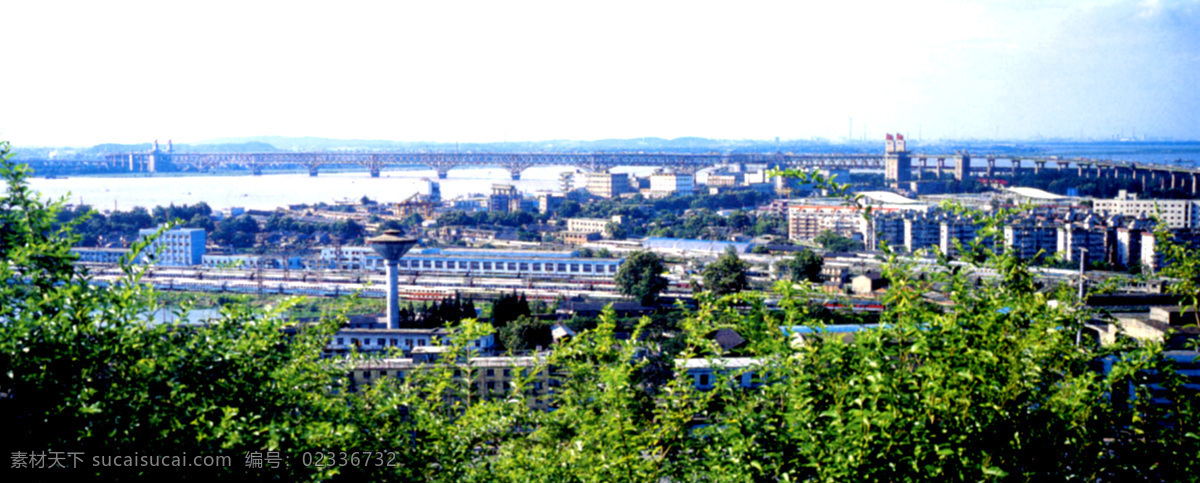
(81, 73)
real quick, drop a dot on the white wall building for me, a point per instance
(1176, 213)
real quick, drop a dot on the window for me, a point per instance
(366, 374)
(408, 342)
(491, 385)
(524, 266)
(437, 264)
(574, 267)
(507, 373)
(421, 342)
(394, 342)
(536, 266)
(562, 267)
(587, 267)
(380, 341)
(512, 265)
(341, 341)
(487, 265)
(704, 379)
(403, 263)
(426, 264)
(491, 372)
(474, 265)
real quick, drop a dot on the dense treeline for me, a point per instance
(997, 388)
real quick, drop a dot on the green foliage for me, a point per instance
(509, 308)
(641, 277)
(836, 243)
(525, 334)
(805, 266)
(727, 275)
(994, 388)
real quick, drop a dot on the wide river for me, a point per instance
(269, 191)
(273, 190)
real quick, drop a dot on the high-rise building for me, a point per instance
(1026, 240)
(502, 197)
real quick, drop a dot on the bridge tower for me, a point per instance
(159, 160)
(962, 166)
(897, 161)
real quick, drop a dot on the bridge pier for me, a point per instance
(1016, 167)
(312, 171)
(374, 171)
(257, 170)
(1172, 180)
(962, 167)
(991, 167)
(442, 173)
(516, 174)
(1038, 166)
(1080, 174)
(941, 165)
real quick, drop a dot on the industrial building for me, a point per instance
(476, 262)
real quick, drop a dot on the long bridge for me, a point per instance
(899, 165)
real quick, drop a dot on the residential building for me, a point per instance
(591, 225)
(671, 184)
(579, 238)
(608, 185)
(921, 232)
(806, 221)
(181, 247)
(1076, 236)
(1175, 213)
(1026, 240)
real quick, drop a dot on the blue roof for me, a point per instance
(832, 328)
(695, 245)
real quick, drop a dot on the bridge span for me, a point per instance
(899, 165)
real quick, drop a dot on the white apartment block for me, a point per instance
(1176, 213)
(674, 183)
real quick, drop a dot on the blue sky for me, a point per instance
(81, 73)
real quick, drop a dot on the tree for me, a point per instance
(82, 367)
(525, 334)
(806, 265)
(836, 243)
(641, 277)
(509, 308)
(727, 275)
(569, 208)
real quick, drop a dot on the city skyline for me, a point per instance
(132, 72)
